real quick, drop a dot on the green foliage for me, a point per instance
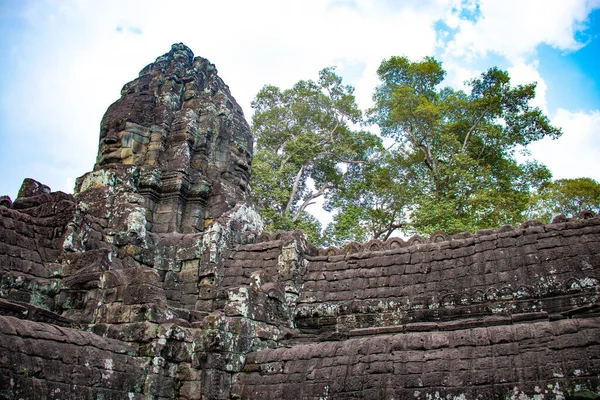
(306, 222)
(347, 227)
(303, 144)
(565, 196)
(452, 166)
(460, 147)
(375, 201)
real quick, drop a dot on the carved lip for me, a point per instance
(108, 158)
(106, 148)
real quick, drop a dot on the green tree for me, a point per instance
(375, 202)
(565, 196)
(462, 145)
(304, 145)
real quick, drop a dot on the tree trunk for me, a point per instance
(288, 207)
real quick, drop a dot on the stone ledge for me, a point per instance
(462, 324)
(30, 312)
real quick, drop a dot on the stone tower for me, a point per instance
(178, 127)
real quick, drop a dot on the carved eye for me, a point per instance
(103, 131)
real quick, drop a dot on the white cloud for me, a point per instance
(489, 32)
(458, 74)
(522, 74)
(575, 153)
(514, 28)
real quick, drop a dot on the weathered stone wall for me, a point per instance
(549, 360)
(44, 361)
(494, 315)
(544, 268)
(31, 237)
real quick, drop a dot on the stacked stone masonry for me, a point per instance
(540, 358)
(545, 269)
(59, 362)
(154, 280)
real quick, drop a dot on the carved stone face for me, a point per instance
(128, 144)
(178, 123)
(111, 147)
(241, 166)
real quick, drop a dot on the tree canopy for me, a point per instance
(375, 201)
(304, 143)
(569, 197)
(450, 163)
(460, 146)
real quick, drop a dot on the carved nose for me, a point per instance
(111, 138)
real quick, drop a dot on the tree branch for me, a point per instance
(464, 146)
(288, 207)
(309, 201)
(340, 159)
(331, 132)
(283, 163)
(388, 231)
(391, 229)
(430, 161)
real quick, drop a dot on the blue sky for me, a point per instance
(64, 62)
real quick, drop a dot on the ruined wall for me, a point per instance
(154, 281)
(42, 360)
(31, 237)
(543, 268)
(501, 314)
(550, 359)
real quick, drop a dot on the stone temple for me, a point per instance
(155, 281)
